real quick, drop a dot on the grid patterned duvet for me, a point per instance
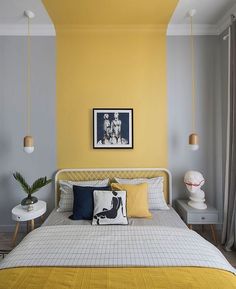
(115, 246)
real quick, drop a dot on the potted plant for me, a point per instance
(30, 200)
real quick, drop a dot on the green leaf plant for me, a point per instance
(29, 190)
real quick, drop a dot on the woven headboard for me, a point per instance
(95, 174)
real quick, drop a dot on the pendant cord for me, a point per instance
(28, 79)
(193, 78)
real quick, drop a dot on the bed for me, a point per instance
(148, 253)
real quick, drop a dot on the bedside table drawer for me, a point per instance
(202, 218)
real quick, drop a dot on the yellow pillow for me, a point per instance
(137, 199)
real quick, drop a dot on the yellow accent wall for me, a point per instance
(111, 54)
(111, 68)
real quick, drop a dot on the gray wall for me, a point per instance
(208, 159)
(13, 59)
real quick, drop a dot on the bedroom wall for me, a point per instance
(208, 159)
(111, 68)
(13, 59)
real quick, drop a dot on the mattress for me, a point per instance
(167, 218)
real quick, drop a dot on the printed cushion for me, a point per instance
(109, 208)
(66, 190)
(156, 199)
(137, 199)
(83, 202)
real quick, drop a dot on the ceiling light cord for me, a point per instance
(28, 139)
(193, 78)
(28, 79)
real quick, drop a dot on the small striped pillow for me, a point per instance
(66, 190)
(156, 198)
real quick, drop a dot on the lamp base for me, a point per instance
(193, 142)
(28, 144)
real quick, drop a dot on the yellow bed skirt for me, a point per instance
(116, 278)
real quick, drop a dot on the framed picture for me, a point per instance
(113, 128)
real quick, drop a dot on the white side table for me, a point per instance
(21, 215)
(193, 216)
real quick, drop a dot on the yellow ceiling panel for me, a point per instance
(110, 12)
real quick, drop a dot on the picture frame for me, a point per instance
(113, 128)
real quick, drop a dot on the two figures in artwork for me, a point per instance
(194, 181)
(112, 130)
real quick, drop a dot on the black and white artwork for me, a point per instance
(113, 128)
(109, 208)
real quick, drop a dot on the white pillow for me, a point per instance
(156, 198)
(66, 189)
(109, 208)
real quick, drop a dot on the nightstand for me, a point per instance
(192, 216)
(21, 215)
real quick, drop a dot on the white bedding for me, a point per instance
(160, 218)
(115, 246)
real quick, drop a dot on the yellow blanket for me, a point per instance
(116, 278)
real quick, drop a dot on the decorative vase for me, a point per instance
(28, 203)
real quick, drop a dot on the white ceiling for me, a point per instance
(208, 11)
(212, 16)
(13, 21)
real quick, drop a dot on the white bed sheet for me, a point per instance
(167, 218)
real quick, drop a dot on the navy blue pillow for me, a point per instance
(83, 202)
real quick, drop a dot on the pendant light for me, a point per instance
(28, 139)
(193, 137)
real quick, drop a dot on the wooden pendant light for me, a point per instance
(28, 140)
(193, 137)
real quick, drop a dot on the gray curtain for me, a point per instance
(229, 225)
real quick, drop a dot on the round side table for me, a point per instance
(21, 215)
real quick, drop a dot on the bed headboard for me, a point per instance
(102, 173)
